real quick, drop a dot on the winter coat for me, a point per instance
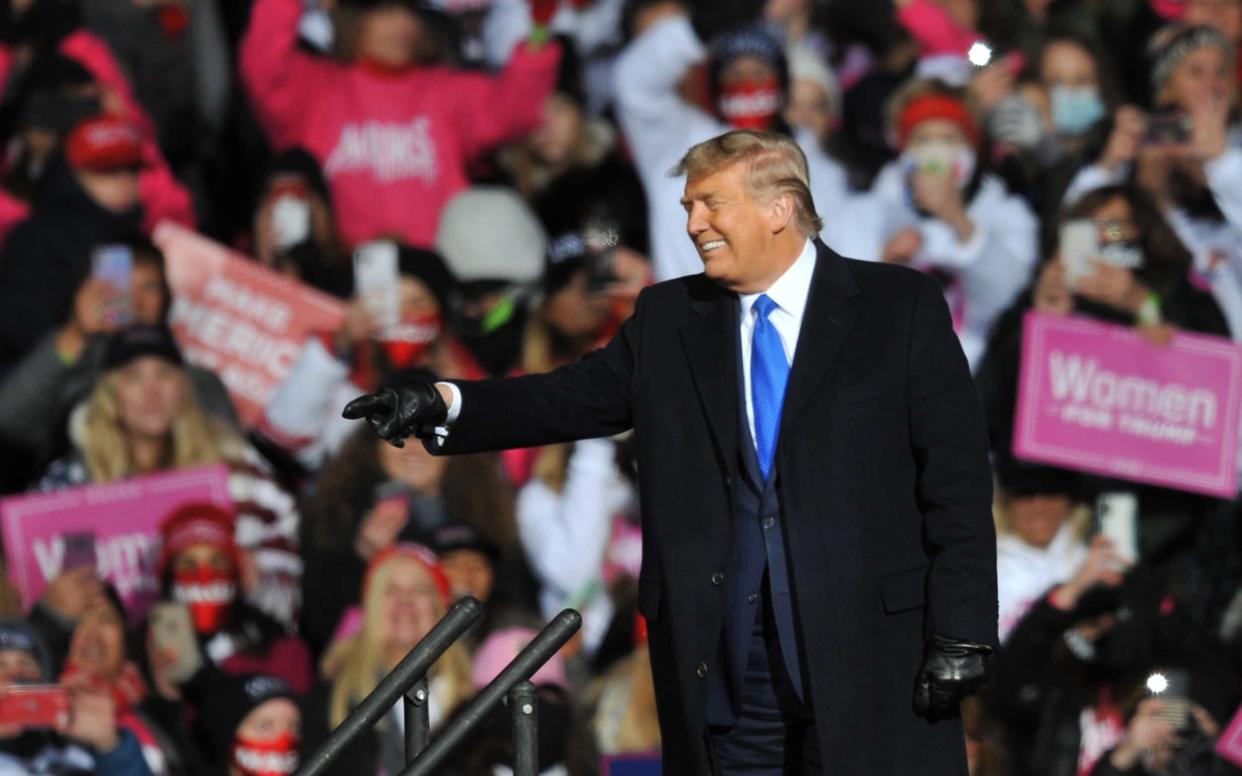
(981, 277)
(660, 127)
(1025, 573)
(163, 197)
(37, 395)
(47, 256)
(394, 146)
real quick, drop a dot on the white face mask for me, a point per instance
(938, 157)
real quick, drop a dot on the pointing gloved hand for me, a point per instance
(395, 413)
(952, 670)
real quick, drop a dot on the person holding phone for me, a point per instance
(42, 389)
(937, 209)
(80, 735)
(1188, 156)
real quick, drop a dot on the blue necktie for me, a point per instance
(769, 372)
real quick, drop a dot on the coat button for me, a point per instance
(769, 522)
(701, 670)
(718, 578)
(752, 597)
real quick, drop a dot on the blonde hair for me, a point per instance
(356, 665)
(194, 439)
(775, 166)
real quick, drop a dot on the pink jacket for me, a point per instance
(12, 210)
(393, 146)
(163, 197)
(935, 30)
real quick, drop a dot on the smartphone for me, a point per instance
(1172, 687)
(114, 265)
(172, 631)
(392, 490)
(1167, 129)
(1080, 245)
(79, 550)
(1117, 518)
(375, 281)
(34, 705)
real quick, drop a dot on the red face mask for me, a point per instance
(266, 758)
(406, 342)
(752, 105)
(209, 595)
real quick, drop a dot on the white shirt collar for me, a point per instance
(791, 289)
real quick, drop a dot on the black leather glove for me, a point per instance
(952, 670)
(396, 413)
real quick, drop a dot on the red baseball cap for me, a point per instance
(197, 523)
(104, 143)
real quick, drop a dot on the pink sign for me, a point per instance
(1229, 745)
(1098, 397)
(124, 518)
(244, 322)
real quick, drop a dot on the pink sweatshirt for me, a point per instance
(393, 146)
(935, 30)
(163, 197)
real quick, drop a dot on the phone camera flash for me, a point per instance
(1157, 683)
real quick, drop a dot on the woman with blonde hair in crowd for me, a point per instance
(143, 418)
(404, 595)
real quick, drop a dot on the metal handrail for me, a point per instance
(409, 680)
(553, 636)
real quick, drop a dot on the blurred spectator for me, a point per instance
(749, 85)
(578, 524)
(143, 418)
(372, 496)
(495, 286)
(304, 415)
(937, 208)
(393, 137)
(403, 595)
(294, 230)
(200, 566)
(1039, 538)
(253, 725)
(814, 103)
(87, 741)
(1188, 156)
(99, 659)
(624, 717)
(86, 198)
(37, 394)
(468, 559)
(560, 737)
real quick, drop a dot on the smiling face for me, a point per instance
(733, 232)
(410, 606)
(1202, 76)
(98, 644)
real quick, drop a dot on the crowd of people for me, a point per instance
(514, 156)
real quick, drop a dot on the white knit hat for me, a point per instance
(806, 65)
(488, 233)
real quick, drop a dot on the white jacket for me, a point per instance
(660, 127)
(567, 535)
(988, 271)
(1215, 245)
(304, 415)
(1024, 573)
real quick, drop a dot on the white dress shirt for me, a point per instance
(790, 292)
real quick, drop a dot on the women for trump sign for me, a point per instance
(1099, 398)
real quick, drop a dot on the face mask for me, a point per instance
(1126, 255)
(751, 106)
(266, 758)
(936, 158)
(209, 595)
(407, 342)
(1075, 109)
